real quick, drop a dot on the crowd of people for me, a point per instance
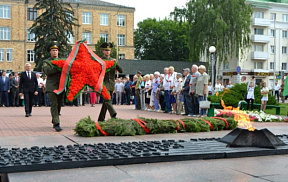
(170, 92)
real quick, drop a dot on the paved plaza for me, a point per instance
(19, 131)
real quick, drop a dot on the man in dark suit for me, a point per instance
(109, 81)
(28, 87)
(4, 88)
(15, 89)
(185, 92)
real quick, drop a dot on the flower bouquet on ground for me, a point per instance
(86, 127)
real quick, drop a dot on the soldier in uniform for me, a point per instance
(109, 81)
(52, 83)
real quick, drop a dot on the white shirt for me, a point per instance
(230, 86)
(172, 80)
(277, 87)
(218, 87)
(40, 80)
(210, 88)
(148, 85)
(166, 82)
(179, 85)
(119, 87)
(29, 74)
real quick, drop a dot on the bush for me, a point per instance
(237, 93)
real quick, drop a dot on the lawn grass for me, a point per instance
(283, 111)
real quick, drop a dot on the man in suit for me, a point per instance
(28, 87)
(52, 83)
(185, 92)
(109, 81)
(15, 89)
(127, 90)
(4, 88)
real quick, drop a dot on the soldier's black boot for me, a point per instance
(57, 128)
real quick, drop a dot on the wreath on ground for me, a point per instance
(86, 127)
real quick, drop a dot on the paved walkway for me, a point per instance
(13, 122)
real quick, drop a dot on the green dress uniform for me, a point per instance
(109, 81)
(52, 83)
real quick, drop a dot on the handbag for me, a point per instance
(205, 104)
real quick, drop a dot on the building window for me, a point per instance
(272, 49)
(30, 36)
(30, 56)
(226, 66)
(104, 19)
(285, 17)
(258, 14)
(259, 48)
(121, 56)
(70, 38)
(121, 20)
(272, 32)
(86, 17)
(31, 14)
(258, 65)
(9, 55)
(284, 66)
(104, 36)
(5, 12)
(284, 50)
(258, 31)
(271, 65)
(121, 40)
(1, 55)
(87, 36)
(273, 16)
(284, 33)
(5, 33)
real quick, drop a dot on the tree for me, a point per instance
(55, 23)
(224, 24)
(98, 50)
(161, 40)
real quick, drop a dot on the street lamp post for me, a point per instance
(212, 50)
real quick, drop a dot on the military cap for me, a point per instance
(106, 45)
(138, 72)
(53, 45)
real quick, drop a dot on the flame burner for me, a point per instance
(258, 138)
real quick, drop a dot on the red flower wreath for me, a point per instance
(84, 71)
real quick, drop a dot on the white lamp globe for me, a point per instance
(212, 49)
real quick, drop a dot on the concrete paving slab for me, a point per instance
(111, 174)
(29, 141)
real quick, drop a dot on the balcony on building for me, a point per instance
(261, 22)
(260, 38)
(257, 55)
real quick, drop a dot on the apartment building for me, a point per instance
(114, 23)
(269, 45)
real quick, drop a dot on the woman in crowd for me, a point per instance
(142, 94)
(250, 93)
(155, 83)
(218, 86)
(147, 91)
(210, 88)
(92, 97)
(202, 87)
(151, 104)
(264, 99)
(160, 93)
(177, 92)
(133, 89)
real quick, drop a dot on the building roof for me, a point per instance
(150, 66)
(270, 1)
(97, 3)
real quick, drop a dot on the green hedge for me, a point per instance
(237, 93)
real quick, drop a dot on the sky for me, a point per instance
(150, 8)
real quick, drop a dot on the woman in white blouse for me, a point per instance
(147, 90)
(218, 86)
(250, 93)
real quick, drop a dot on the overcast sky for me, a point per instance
(150, 8)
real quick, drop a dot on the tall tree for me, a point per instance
(55, 23)
(224, 24)
(98, 50)
(161, 40)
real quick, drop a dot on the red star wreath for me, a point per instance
(82, 68)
